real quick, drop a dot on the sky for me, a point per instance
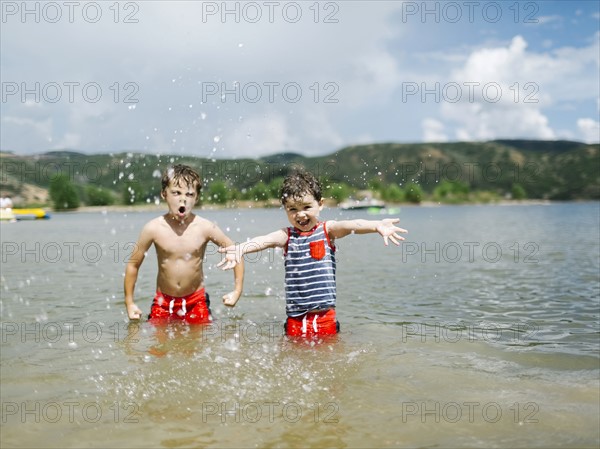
(246, 79)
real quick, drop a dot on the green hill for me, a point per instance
(458, 171)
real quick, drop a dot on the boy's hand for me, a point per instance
(387, 229)
(231, 298)
(134, 312)
(233, 256)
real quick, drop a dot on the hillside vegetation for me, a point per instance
(441, 172)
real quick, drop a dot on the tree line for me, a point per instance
(66, 195)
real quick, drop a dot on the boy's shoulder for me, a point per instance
(156, 221)
(203, 221)
(154, 224)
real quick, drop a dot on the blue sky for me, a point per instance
(237, 79)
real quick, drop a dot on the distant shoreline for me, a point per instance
(161, 208)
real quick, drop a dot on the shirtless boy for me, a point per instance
(180, 238)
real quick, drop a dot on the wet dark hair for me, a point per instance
(299, 183)
(180, 173)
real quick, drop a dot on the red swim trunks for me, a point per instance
(193, 308)
(313, 324)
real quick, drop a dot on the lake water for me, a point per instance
(481, 330)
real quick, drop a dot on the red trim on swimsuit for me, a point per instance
(331, 245)
(312, 324)
(191, 308)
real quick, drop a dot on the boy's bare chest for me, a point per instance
(187, 244)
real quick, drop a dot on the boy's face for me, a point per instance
(180, 199)
(303, 213)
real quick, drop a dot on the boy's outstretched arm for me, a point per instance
(234, 254)
(230, 299)
(385, 227)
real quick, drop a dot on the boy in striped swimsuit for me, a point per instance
(309, 249)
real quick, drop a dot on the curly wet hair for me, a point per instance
(181, 174)
(299, 183)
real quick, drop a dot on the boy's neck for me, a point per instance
(176, 222)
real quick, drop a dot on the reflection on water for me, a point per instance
(481, 330)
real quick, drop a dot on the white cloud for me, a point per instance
(513, 87)
(319, 130)
(433, 131)
(480, 122)
(258, 136)
(37, 132)
(544, 20)
(69, 140)
(590, 130)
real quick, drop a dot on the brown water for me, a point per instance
(481, 331)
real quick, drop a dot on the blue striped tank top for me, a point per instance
(309, 271)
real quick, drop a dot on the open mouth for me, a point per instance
(181, 210)
(303, 222)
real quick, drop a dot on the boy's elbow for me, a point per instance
(132, 269)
